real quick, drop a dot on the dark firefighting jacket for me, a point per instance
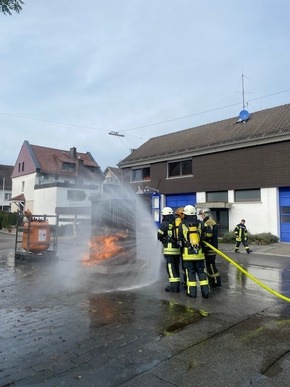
(166, 234)
(210, 234)
(241, 232)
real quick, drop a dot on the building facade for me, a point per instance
(50, 181)
(237, 168)
(5, 187)
(113, 181)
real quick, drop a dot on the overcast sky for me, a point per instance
(72, 71)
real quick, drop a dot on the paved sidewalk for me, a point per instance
(60, 328)
(280, 248)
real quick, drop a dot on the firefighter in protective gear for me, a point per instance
(179, 216)
(210, 236)
(241, 234)
(166, 234)
(189, 233)
(179, 213)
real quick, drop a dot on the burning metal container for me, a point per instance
(113, 234)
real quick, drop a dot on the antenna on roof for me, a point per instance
(243, 91)
(114, 133)
(244, 114)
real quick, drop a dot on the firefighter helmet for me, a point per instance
(189, 210)
(205, 211)
(179, 212)
(167, 211)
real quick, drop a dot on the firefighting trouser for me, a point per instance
(193, 269)
(183, 271)
(172, 268)
(214, 278)
(244, 242)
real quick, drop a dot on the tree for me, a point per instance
(7, 6)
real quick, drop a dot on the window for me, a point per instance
(285, 214)
(180, 168)
(141, 174)
(7, 196)
(93, 169)
(69, 167)
(23, 166)
(248, 195)
(22, 186)
(218, 196)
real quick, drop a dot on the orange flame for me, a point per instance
(104, 247)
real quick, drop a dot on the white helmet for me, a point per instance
(189, 210)
(167, 211)
(205, 211)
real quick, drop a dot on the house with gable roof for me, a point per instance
(239, 168)
(113, 181)
(49, 181)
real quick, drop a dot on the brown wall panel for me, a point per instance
(244, 168)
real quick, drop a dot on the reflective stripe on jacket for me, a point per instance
(210, 234)
(241, 232)
(166, 235)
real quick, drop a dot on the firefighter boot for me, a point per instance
(172, 289)
(215, 282)
(191, 295)
(184, 280)
(191, 289)
(204, 288)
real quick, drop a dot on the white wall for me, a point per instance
(260, 216)
(200, 197)
(29, 182)
(45, 201)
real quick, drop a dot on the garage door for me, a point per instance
(175, 201)
(284, 203)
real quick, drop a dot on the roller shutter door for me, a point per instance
(175, 201)
(284, 203)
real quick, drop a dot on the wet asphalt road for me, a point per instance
(60, 328)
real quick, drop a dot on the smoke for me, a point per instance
(84, 261)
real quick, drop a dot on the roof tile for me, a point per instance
(264, 124)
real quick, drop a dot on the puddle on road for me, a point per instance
(180, 316)
(160, 316)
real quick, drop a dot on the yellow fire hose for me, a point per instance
(246, 273)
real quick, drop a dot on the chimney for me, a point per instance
(73, 153)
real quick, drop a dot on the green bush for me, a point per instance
(228, 238)
(8, 219)
(264, 238)
(1, 218)
(5, 221)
